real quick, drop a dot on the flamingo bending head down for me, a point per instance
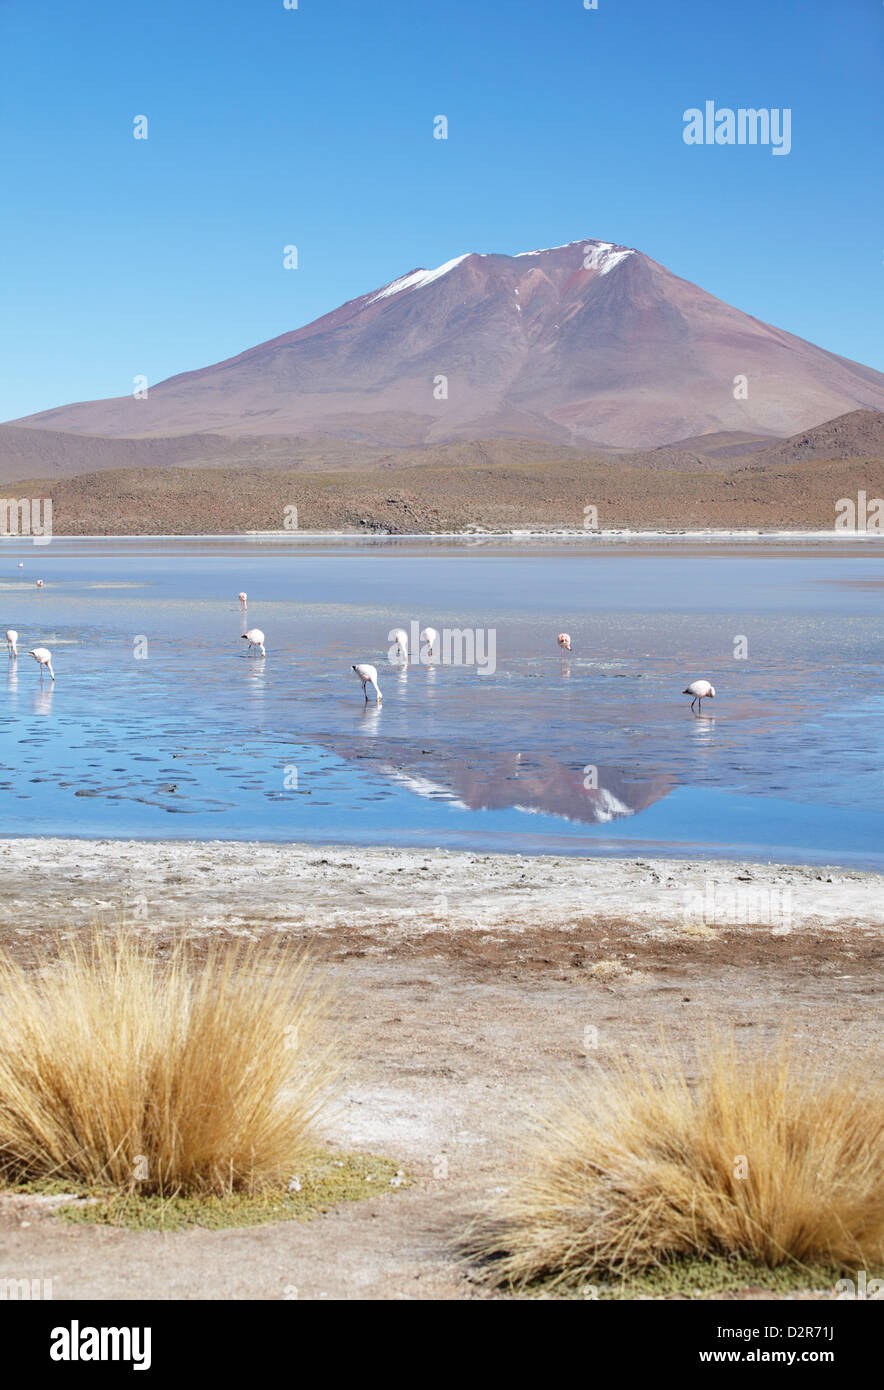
(369, 676)
(43, 658)
(701, 690)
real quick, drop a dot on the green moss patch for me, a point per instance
(326, 1180)
(699, 1278)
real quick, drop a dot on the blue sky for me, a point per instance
(314, 127)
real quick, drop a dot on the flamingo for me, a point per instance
(39, 583)
(431, 637)
(369, 676)
(399, 638)
(43, 658)
(564, 640)
(21, 564)
(255, 638)
(11, 639)
(701, 690)
(243, 598)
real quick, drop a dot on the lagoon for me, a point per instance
(160, 726)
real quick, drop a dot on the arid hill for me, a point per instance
(30, 453)
(176, 501)
(490, 484)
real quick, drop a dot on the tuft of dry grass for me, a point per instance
(608, 969)
(174, 1075)
(764, 1156)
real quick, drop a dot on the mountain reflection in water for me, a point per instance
(535, 783)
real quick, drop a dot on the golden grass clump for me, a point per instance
(175, 1075)
(763, 1156)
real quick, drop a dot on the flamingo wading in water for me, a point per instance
(11, 639)
(701, 690)
(43, 658)
(369, 676)
(564, 641)
(255, 638)
(243, 598)
(399, 638)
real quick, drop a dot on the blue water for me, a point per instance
(160, 725)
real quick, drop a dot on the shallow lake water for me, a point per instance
(159, 723)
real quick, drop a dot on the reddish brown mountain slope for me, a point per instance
(578, 345)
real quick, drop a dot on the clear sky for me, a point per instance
(313, 127)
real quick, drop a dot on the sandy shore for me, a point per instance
(465, 985)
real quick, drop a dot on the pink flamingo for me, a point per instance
(43, 658)
(701, 690)
(369, 676)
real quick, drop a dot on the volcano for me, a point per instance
(589, 344)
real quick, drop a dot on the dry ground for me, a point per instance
(399, 499)
(206, 483)
(458, 1032)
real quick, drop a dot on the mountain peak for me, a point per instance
(486, 346)
(602, 256)
(595, 255)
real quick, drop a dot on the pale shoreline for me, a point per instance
(613, 533)
(203, 886)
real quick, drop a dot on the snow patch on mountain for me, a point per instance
(604, 258)
(417, 279)
(543, 250)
